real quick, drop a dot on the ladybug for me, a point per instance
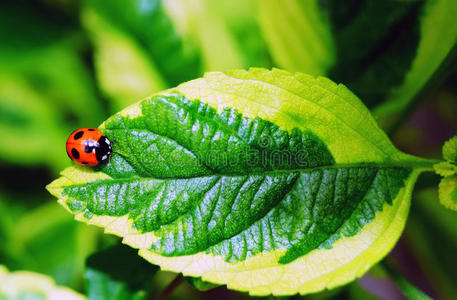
(88, 147)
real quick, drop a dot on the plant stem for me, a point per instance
(407, 288)
(171, 287)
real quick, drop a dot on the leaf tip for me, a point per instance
(55, 187)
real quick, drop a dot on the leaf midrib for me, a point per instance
(420, 166)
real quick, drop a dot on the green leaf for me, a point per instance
(386, 52)
(137, 49)
(38, 98)
(300, 37)
(36, 234)
(26, 51)
(450, 150)
(123, 70)
(30, 285)
(118, 273)
(267, 181)
(448, 192)
(388, 61)
(448, 169)
(374, 52)
(434, 55)
(357, 291)
(407, 288)
(239, 16)
(9, 212)
(226, 32)
(25, 115)
(445, 168)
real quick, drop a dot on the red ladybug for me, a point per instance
(88, 147)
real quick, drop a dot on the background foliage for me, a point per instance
(66, 64)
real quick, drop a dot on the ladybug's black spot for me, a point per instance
(75, 153)
(78, 135)
(91, 129)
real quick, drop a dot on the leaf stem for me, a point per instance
(407, 288)
(171, 287)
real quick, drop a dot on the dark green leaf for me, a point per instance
(376, 42)
(147, 23)
(118, 273)
(35, 236)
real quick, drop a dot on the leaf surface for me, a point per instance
(267, 181)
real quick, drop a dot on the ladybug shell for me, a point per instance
(88, 147)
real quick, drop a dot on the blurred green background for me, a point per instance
(66, 64)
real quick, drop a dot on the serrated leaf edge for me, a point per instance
(261, 275)
(446, 186)
(382, 232)
(445, 168)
